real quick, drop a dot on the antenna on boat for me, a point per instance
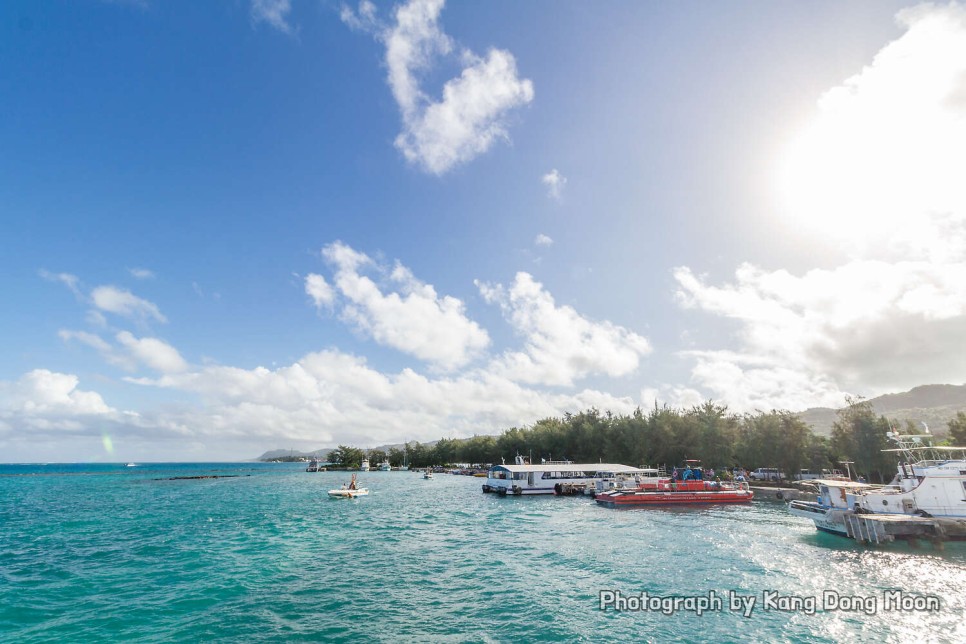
(848, 470)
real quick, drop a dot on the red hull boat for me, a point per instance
(668, 492)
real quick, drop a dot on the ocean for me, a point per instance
(107, 552)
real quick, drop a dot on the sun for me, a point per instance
(884, 153)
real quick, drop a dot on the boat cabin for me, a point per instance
(522, 478)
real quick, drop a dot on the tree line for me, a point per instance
(668, 436)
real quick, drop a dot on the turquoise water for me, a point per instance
(112, 553)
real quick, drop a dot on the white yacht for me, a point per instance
(551, 477)
(365, 465)
(385, 466)
(930, 481)
(836, 498)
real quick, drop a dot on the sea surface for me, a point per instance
(107, 552)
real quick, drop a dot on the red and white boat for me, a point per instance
(670, 492)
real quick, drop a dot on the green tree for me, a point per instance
(715, 431)
(347, 456)
(792, 443)
(860, 436)
(957, 429)
(376, 456)
(396, 456)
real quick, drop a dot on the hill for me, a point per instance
(274, 454)
(934, 405)
(323, 453)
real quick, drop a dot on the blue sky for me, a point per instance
(232, 227)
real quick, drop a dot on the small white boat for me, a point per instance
(385, 466)
(428, 474)
(346, 493)
(365, 465)
(349, 490)
(132, 465)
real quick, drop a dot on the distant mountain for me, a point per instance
(934, 405)
(324, 453)
(271, 455)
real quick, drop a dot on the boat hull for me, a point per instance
(826, 519)
(649, 499)
(348, 494)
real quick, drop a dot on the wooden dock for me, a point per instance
(876, 529)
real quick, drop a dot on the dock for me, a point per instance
(876, 529)
(783, 493)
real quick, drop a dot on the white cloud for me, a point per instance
(122, 302)
(107, 351)
(90, 339)
(868, 327)
(141, 273)
(674, 396)
(880, 167)
(330, 395)
(154, 353)
(412, 318)
(561, 345)
(542, 240)
(273, 12)
(68, 280)
(319, 290)
(364, 20)
(879, 170)
(555, 183)
(440, 134)
(46, 400)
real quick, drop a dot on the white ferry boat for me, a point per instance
(550, 477)
(930, 482)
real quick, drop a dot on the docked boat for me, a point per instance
(365, 465)
(349, 490)
(666, 491)
(313, 465)
(929, 482)
(549, 477)
(836, 499)
(385, 466)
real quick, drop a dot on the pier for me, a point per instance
(876, 529)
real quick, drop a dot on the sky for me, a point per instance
(230, 227)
